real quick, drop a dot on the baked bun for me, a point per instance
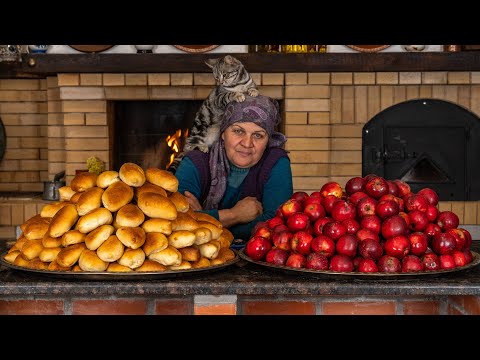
(66, 193)
(203, 262)
(158, 225)
(76, 268)
(51, 242)
(21, 260)
(117, 195)
(111, 250)
(162, 178)
(149, 187)
(11, 256)
(50, 210)
(180, 201)
(131, 237)
(184, 265)
(154, 242)
(210, 250)
(32, 248)
(116, 267)
(53, 266)
(217, 261)
(90, 199)
(96, 237)
(49, 254)
(129, 215)
(151, 266)
(34, 218)
(72, 237)
(133, 258)
(75, 197)
(202, 235)
(168, 256)
(201, 216)
(181, 238)
(190, 253)
(19, 243)
(36, 227)
(216, 231)
(184, 222)
(157, 206)
(94, 219)
(69, 256)
(226, 238)
(132, 174)
(63, 220)
(226, 253)
(83, 181)
(107, 178)
(89, 261)
(37, 264)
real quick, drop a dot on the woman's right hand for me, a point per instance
(247, 209)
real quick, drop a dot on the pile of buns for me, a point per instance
(130, 220)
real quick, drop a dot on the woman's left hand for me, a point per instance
(193, 201)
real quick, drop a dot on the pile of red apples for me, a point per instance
(373, 225)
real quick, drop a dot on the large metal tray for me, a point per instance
(104, 275)
(359, 275)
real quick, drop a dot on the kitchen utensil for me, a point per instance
(50, 188)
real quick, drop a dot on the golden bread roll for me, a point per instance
(89, 199)
(94, 219)
(37, 264)
(203, 262)
(190, 253)
(216, 231)
(151, 266)
(129, 215)
(83, 181)
(53, 266)
(184, 222)
(201, 216)
(69, 255)
(180, 201)
(217, 261)
(168, 256)
(107, 178)
(96, 237)
(184, 265)
(226, 237)
(32, 248)
(37, 228)
(66, 193)
(34, 218)
(131, 237)
(117, 195)
(11, 256)
(154, 242)
(181, 238)
(202, 235)
(157, 206)
(49, 254)
(149, 187)
(21, 260)
(111, 250)
(89, 261)
(51, 242)
(133, 258)
(63, 220)
(162, 178)
(132, 174)
(50, 210)
(210, 250)
(72, 237)
(116, 267)
(76, 268)
(158, 225)
(75, 197)
(226, 253)
(19, 243)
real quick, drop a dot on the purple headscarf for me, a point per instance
(261, 110)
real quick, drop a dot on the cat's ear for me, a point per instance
(211, 62)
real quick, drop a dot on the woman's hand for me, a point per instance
(192, 201)
(243, 212)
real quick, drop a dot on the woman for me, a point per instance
(246, 174)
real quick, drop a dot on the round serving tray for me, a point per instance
(360, 275)
(104, 275)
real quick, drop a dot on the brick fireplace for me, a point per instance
(56, 123)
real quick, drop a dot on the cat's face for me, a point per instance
(226, 71)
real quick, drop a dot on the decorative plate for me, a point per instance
(196, 48)
(91, 48)
(360, 275)
(368, 48)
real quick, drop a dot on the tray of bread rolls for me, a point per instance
(130, 224)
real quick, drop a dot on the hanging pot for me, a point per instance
(50, 188)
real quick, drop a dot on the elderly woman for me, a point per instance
(246, 174)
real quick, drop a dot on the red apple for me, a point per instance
(418, 220)
(392, 188)
(369, 177)
(446, 261)
(367, 266)
(430, 261)
(430, 194)
(412, 263)
(316, 261)
(296, 260)
(468, 238)
(397, 246)
(459, 258)
(299, 196)
(323, 245)
(386, 208)
(366, 206)
(259, 225)
(291, 207)
(405, 217)
(341, 263)
(263, 231)
(276, 220)
(363, 234)
(370, 249)
(389, 264)
(468, 255)
(334, 230)
(398, 200)
(403, 188)
(343, 210)
(331, 188)
(328, 203)
(282, 240)
(393, 226)
(314, 211)
(459, 238)
(376, 187)
(298, 221)
(418, 243)
(356, 197)
(312, 200)
(432, 229)
(347, 245)
(316, 194)
(257, 247)
(443, 243)
(352, 226)
(319, 224)
(301, 242)
(280, 228)
(431, 213)
(371, 222)
(354, 185)
(447, 220)
(416, 202)
(277, 256)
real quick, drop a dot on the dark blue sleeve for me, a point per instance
(188, 178)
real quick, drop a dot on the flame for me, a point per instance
(173, 142)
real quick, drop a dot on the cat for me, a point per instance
(232, 83)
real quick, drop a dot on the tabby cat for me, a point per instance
(233, 82)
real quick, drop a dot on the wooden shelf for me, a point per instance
(41, 65)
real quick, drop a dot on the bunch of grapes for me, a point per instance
(95, 165)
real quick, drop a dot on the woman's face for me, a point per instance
(245, 143)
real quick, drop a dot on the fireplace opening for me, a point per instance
(427, 143)
(149, 133)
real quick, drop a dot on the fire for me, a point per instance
(173, 142)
